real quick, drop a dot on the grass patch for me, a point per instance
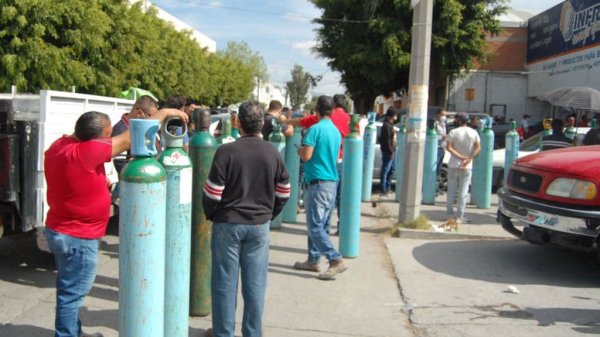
(421, 222)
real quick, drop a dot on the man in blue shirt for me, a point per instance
(319, 151)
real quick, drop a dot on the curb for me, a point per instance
(405, 233)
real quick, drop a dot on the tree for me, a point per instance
(105, 46)
(369, 43)
(298, 87)
(241, 52)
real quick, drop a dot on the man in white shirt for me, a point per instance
(463, 145)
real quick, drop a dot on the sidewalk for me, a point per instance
(366, 300)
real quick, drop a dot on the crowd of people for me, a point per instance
(240, 202)
(247, 186)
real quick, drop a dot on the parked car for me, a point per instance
(553, 197)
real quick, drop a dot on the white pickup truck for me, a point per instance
(29, 124)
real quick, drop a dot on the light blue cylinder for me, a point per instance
(485, 162)
(401, 136)
(143, 144)
(430, 167)
(142, 216)
(477, 175)
(278, 140)
(178, 244)
(292, 163)
(370, 138)
(511, 141)
(351, 193)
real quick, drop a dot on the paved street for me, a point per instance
(431, 285)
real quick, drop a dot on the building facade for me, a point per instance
(202, 40)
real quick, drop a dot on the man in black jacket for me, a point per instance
(387, 141)
(247, 187)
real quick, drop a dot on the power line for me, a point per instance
(256, 11)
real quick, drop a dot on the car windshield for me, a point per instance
(532, 143)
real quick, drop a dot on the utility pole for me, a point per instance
(414, 152)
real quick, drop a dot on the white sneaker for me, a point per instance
(463, 220)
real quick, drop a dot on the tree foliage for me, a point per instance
(298, 86)
(105, 46)
(369, 41)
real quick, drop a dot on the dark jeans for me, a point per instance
(388, 166)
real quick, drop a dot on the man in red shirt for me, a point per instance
(79, 208)
(341, 120)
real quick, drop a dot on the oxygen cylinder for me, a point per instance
(511, 141)
(547, 123)
(429, 167)
(202, 150)
(226, 132)
(401, 136)
(178, 230)
(143, 191)
(278, 140)
(570, 128)
(235, 126)
(486, 160)
(477, 171)
(351, 191)
(292, 163)
(370, 138)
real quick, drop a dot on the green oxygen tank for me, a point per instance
(235, 126)
(278, 140)
(226, 134)
(202, 150)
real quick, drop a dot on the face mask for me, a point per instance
(443, 119)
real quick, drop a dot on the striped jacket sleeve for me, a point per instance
(213, 187)
(283, 188)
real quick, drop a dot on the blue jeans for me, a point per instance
(388, 166)
(76, 261)
(319, 201)
(458, 186)
(235, 247)
(440, 159)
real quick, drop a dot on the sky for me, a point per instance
(281, 31)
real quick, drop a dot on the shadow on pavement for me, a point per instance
(585, 320)
(25, 264)
(197, 332)
(288, 249)
(11, 330)
(476, 218)
(511, 262)
(107, 318)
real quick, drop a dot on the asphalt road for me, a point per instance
(445, 288)
(467, 288)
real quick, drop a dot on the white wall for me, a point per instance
(494, 88)
(269, 92)
(579, 69)
(203, 40)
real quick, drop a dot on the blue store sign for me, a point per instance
(567, 27)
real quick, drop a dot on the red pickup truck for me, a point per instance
(553, 197)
